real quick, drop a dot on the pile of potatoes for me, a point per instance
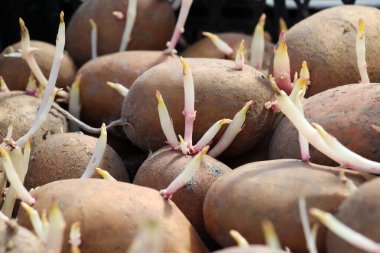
(259, 177)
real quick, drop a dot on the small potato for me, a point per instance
(164, 165)
(220, 92)
(270, 190)
(110, 214)
(327, 41)
(65, 156)
(153, 27)
(16, 239)
(19, 110)
(361, 213)
(346, 112)
(16, 71)
(100, 103)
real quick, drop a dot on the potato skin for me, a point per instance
(346, 112)
(205, 49)
(359, 212)
(270, 190)
(16, 71)
(220, 92)
(250, 249)
(16, 239)
(65, 156)
(153, 27)
(164, 165)
(327, 39)
(110, 221)
(101, 104)
(20, 110)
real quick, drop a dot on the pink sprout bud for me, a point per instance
(166, 122)
(281, 67)
(239, 59)
(344, 232)
(220, 44)
(31, 87)
(186, 175)
(258, 44)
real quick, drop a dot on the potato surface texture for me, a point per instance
(110, 221)
(220, 92)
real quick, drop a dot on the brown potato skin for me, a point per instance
(250, 249)
(16, 71)
(270, 190)
(164, 165)
(153, 27)
(19, 110)
(220, 92)
(65, 156)
(100, 103)
(359, 212)
(16, 239)
(204, 48)
(346, 112)
(110, 221)
(327, 39)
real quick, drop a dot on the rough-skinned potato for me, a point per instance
(270, 190)
(360, 213)
(65, 156)
(346, 112)
(327, 39)
(163, 166)
(100, 103)
(110, 214)
(153, 27)
(16, 71)
(220, 92)
(16, 239)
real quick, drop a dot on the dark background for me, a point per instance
(41, 16)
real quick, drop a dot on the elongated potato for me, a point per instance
(220, 92)
(15, 71)
(65, 156)
(164, 165)
(110, 221)
(153, 27)
(100, 103)
(360, 213)
(327, 41)
(270, 190)
(346, 112)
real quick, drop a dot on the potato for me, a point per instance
(100, 103)
(110, 214)
(164, 165)
(327, 41)
(205, 49)
(360, 213)
(16, 239)
(16, 71)
(270, 190)
(65, 156)
(153, 27)
(250, 249)
(220, 92)
(346, 112)
(20, 110)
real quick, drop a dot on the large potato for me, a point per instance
(164, 165)
(65, 156)
(101, 104)
(110, 214)
(220, 92)
(361, 213)
(346, 112)
(327, 39)
(270, 190)
(16, 71)
(153, 27)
